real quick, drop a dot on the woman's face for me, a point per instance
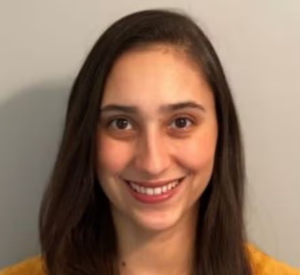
(157, 137)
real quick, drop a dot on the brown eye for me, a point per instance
(181, 123)
(120, 124)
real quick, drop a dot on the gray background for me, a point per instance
(43, 44)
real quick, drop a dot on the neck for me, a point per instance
(166, 252)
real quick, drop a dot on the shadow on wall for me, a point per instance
(31, 125)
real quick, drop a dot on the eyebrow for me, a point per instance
(165, 108)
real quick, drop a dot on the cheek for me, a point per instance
(112, 155)
(199, 151)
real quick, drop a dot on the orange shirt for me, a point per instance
(262, 265)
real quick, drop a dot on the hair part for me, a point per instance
(77, 234)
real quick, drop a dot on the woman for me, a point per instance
(149, 178)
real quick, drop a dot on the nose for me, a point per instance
(152, 158)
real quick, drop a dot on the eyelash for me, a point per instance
(190, 120)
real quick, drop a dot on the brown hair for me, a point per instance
(76, 230)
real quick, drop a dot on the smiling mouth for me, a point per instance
(147, 189)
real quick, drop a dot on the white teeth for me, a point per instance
(157, 190)
(139, 189)
(134, 186)
(153, 191)
(150, 191)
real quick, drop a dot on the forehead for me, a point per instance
(154, 76)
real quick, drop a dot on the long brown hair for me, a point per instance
(77, 234)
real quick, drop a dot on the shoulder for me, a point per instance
(31, 266)
(263, 264)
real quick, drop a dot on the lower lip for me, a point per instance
(153, 199)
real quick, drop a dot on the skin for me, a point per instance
(153, 146)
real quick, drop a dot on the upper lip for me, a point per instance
(153, 183)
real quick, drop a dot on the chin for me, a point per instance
(157, 221)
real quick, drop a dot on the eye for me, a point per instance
(181, 123)
(120, 124)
